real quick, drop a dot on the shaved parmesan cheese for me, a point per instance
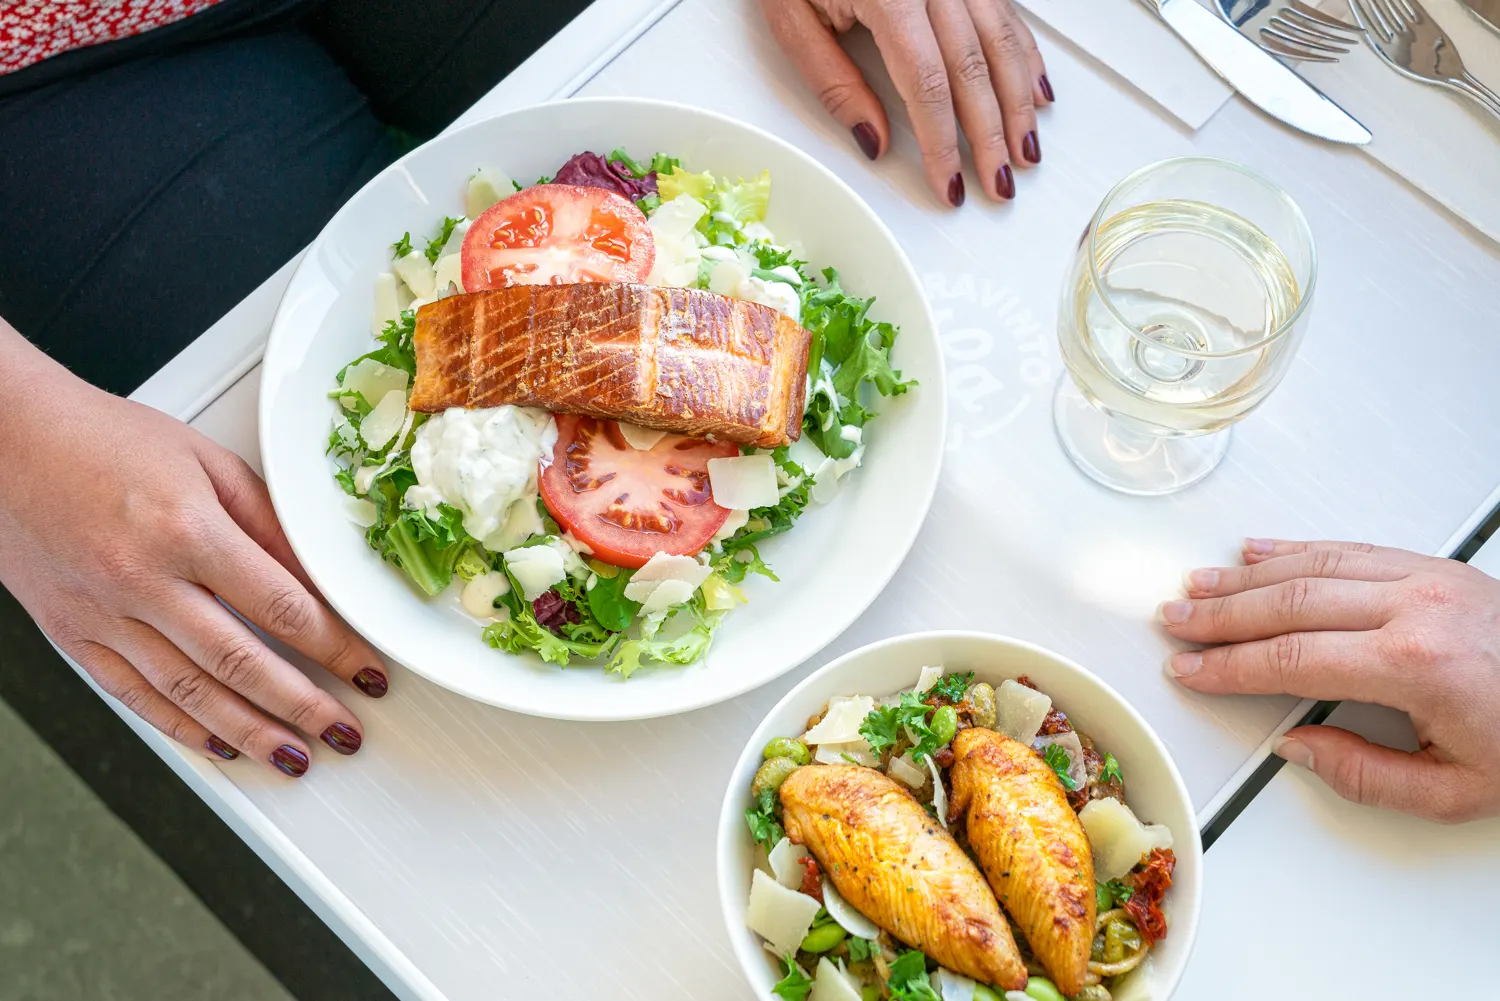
(855, 752)
(361, 511)
(1019, 711)
(1118, 838)
(535, 568)
(903, 770)
(486, 187)
(674, 232)
(1073, 747)
(479, 594)
(387, 308)
(372, 380)
(786, 863)
(449, 272)
(939, 794)
(736, 521)
(416, 271)
(639, 438)
(381, 424)
(929, 677)
(576, 544)
(779, 915)
(665, 581)
(840, 724)
(346, 432)
(843, 912)
(954, 987)
(743, 482)
(830, 984)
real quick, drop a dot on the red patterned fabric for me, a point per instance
(32, 31)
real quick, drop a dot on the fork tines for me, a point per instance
(1302, 32)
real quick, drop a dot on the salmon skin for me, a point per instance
(674, 359)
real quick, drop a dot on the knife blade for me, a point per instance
(1263, 81)
(1487, 11)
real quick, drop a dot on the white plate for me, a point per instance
(1153, 787)
(832, 565)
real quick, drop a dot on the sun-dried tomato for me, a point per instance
(1148, 886)
(812, 879)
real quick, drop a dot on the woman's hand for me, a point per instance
(1338, 620)
(973, 56)
(119, 526)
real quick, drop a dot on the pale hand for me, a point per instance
(975, 59)
(1338, 620)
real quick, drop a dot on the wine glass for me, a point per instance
(1186, 301)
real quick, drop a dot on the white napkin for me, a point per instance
(1132, 41)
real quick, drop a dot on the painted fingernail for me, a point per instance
(342, 738)
(223, 750)
(372, 682)
(1260, 547)
(1031, 147)
(956, 190)
(869, 142)
(1294, 751)
(1046, 88)
(290, 760)
(1203, 580)
(1005, 182)
(1174, 613)
(1184, 665)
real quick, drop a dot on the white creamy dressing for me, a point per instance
(484, 463)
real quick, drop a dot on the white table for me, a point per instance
(467, 852)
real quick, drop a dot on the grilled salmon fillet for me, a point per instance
(675, 359)
(1032, 846)
(901, 869)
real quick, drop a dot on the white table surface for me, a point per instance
(467, 852)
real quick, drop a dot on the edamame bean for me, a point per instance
(982, 698)
(771, 774)
(945, 724)
(983, 993)
(824, 937)
(1094, 992)
(869, 992)
(1043, 989)
(787, 747)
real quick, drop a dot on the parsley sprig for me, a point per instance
(401, 247)
(861, 949)
(761, 817)
(1060, 761)
(795, 986)
(884, 725)
(908, 980)
(1110, 894)
(435, 247)
(1111, 769)
(951, 687)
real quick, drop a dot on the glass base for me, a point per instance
(1124, 457)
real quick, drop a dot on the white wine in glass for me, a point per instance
(1182, 310)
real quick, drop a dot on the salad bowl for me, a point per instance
(829, 568)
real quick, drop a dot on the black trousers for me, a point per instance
(149, 184)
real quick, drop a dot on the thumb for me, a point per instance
(829, 72)
(1412, 782)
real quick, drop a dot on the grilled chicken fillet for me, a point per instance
(1032, 846)
(675, 359)
(901, 869)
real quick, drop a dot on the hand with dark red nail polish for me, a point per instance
(1031, 148)
(1005, 182)
(372, 682)
(1046, 88)
(869, 142)
(956, 190)
(218, 747)
(289, 761)
(342, 737)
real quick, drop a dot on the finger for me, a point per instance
(829, 72)
(1260, 550)
(1344, 564)
(1041, 89)
(244, 496)
(973, 95)
(117, 677)
(188, 687)
(1318, 665)
(222, 645)
(1413, 782)
(1005, 39)
(910, 50)
(1304, 604)
(264, 592)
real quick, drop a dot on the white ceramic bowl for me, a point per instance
(830, 571)
(1154, 789)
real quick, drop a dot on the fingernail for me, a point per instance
(956, 190)
(1259, 547)
(1203, 580)
(220, 748)
(1046, 88)
(1174, 613)
(869, 142)
(290, 760)
(1184, 665)
(342, 738)
(1294, 751)
(1031, 147)
(1005, 182)
(372, 682)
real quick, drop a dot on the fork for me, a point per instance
(1413, 44)
(1298, 31)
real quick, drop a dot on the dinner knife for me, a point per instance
(1487, 11)
(1264, 81)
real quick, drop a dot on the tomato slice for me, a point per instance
(557, 234)
(628, 504)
